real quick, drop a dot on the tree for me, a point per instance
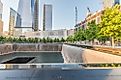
(57, 40)
(30, 40)
(48, 39)
(102, 38)
(79, 35)
(40, 40)
(70, 38)
(44, 40)
(62, 39)
(51, 40)
(9, 39)
(92, 31)
(111, 23)
(36, 40)
(2, 39)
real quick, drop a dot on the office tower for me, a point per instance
(35, 14)
(47, 17)
(1, 9)
(29, 9)
(110, 3)
(18, 20)
(1, 22)
(24, 9)
(14, 21)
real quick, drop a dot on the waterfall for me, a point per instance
(72, 54)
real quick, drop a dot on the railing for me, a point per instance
(61, 66)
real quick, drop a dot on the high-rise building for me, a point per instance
(29, 9)
(35, 14)
(1, 22)
(24, 9)
(1, 9)
(14, 21)
(110, 3)
(47, 17)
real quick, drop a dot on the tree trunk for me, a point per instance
(113, 42)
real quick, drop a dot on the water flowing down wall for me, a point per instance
(72, 54)
(8, 48)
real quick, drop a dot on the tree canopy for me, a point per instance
(111, 23)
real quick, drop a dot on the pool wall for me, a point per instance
(8, 48)
(61, 74)
(73, 54)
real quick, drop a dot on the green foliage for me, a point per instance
(92, 31)
(58, 40)
(36, 40)
(102, 38)
(111, 22)
(70, 38)
(110, 25)
(29, 40)
(44, 40)
(80, 35)
(62, 40)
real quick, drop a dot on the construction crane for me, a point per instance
(76, 15)
(88, 11)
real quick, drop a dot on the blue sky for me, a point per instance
(63, 11)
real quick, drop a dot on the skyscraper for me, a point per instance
(1, 9)
(24, 9)
(35, 14)
(14, 21)
(110, 3)
(28, 9)
(1, 22)
(47, 17)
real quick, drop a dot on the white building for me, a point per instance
(47, 17)
(44, 34)
(110, 3)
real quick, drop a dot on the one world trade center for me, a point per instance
(29, 11)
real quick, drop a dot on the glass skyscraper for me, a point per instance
(35, 14)
(47, 17)
(1, 9)
(13, 21)
(28, 10)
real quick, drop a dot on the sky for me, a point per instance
(63, 11)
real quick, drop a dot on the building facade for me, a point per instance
(29, 12)
(24, 9)
(1, 22)
(70, 32)
(95, 16)
(47, 34)
(35, 14)
(14, 21)
(1, 9)
(1, 27)
(47, 17)
(110, 3)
